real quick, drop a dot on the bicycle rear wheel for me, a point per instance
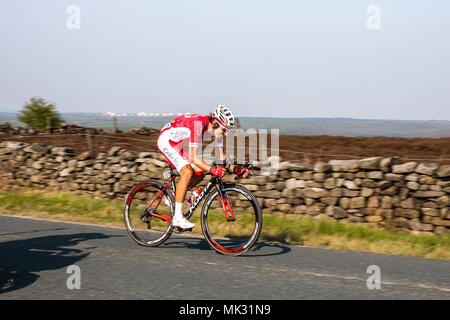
(232, 224)
(148, 213)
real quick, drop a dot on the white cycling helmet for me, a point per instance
(224, 117)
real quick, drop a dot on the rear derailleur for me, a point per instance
(147, 218)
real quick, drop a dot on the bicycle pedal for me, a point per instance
(231, 219)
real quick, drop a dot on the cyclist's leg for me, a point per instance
(196, 178)
(186, 173)
(197, 174)
(175, 157)
(179, 220)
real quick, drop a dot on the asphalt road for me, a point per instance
(35, 256)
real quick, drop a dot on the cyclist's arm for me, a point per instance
(218, 141)
(223, 156)
(195, 159)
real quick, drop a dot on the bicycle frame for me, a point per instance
(206, 190)
(200, 197)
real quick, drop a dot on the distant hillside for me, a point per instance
(352, 127)
(288, 126)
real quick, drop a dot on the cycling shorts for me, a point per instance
(173, 151)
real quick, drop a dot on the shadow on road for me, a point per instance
(260, 249)
(264, 249)
(21, 259)
(31, 231)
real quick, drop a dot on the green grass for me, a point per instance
(289, 229)
(299, 230)
(61, 205)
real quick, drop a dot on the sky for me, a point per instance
(263, 58)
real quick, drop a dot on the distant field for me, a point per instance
(288, 126)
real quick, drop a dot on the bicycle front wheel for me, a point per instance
(232, 224)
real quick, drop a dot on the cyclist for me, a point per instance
(179, 141)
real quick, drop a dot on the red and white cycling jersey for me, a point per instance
(178, 135)
(191, 126)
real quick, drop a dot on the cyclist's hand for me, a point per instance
(218, 171)
(241, 173)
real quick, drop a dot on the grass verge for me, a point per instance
(278, 228)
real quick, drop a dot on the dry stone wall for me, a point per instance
(377, 191)
(64, 128)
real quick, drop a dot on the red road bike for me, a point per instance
(231, 217)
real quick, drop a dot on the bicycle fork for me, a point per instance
(226, 203)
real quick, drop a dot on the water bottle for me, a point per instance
(193, 196)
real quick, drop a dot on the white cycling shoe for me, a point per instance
(182, 222)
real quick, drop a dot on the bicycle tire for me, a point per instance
(128, 219)
(253, 238)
